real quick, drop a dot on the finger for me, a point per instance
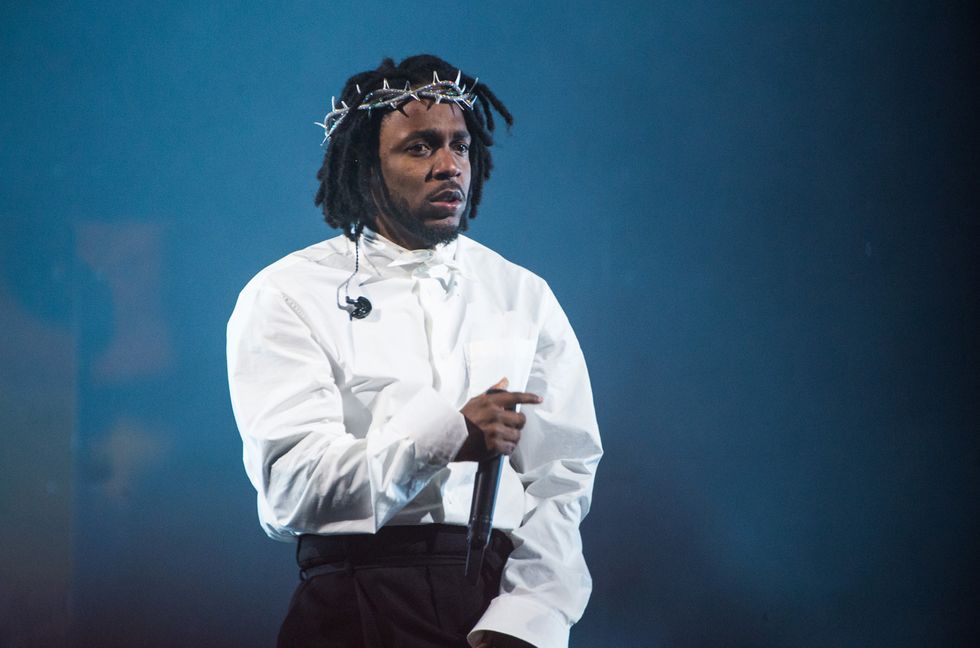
(501, 432)
(506, 448)
(499, 444)
(512, 419)
(510, 399)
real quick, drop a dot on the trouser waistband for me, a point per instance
(419, 544)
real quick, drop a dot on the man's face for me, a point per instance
(425, 165)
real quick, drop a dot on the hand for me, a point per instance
(494, 426)
(499, 640)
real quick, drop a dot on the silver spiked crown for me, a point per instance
(387, 97)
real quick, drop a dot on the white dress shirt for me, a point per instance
(351, 425)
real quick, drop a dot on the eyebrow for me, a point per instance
(431, 134)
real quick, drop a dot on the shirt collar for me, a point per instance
(382, 253)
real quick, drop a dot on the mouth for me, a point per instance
(449, 199)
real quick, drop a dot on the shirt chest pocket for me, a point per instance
(487, 361)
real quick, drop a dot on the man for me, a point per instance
(369, 375)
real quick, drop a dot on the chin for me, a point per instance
(445, 223)
(437, 228)
(430, 227)
(440, 233)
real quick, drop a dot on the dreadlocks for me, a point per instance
(350, 175)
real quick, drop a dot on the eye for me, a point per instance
(418, 148)
(462, 147)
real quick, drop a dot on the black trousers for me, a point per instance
(402, 587)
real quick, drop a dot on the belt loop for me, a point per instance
(348, 557)
(299, 544)
(430, 541)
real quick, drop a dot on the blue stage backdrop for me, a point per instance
(761, 219)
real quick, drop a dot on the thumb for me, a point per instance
(501, 384)
(485, 641)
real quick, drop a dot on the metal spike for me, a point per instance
(407, 86)
(344, 104)
(356, 85)
(384, 85)
(435, 77)
(459, 74)
(333, 103)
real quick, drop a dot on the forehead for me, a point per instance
(416, 116)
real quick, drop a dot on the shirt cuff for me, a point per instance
(436, 428)
(524, 618)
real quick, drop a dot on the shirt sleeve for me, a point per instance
(311, 474)
(546, 583)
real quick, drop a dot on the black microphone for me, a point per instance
(358, 308)
(481, 510)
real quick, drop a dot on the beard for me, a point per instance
(415, 222)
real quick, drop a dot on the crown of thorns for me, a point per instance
(387, 97)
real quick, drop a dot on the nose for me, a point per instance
(445, 165)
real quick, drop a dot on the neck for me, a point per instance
(399, 234)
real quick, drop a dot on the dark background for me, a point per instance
(761, 219)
